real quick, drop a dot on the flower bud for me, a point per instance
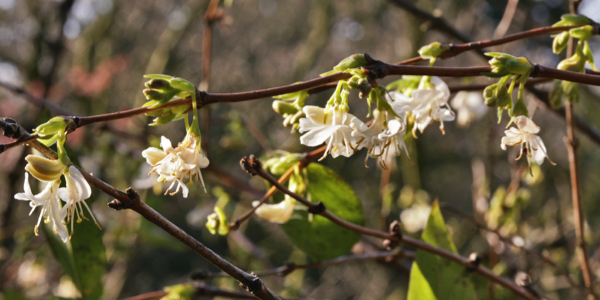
(280, 164)
(157, 84)
(44, 169)
(582, 33)
(350, 62)
(277, 213)
(489, 94)
(520, 108)
(217, 222)
(284, 108)
(560, 42)
(184, 87)
(353, 82)
(556, 96)
(503, 96)
(53, 126)
(571, 90)
(575, 63)
(571, 19)
(432, 50)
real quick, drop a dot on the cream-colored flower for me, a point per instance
(329, 126)
(176, 164)
(277, 213)
(381, 137)
(74, 195)
(524, 134)
(469, 107)
(427, 105)
(48, 200)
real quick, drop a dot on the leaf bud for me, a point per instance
(284, 108)
(53, 126)
(572, 19)
(582, 33)
(350, 62)
(157, 84)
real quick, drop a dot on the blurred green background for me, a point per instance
(88, 57)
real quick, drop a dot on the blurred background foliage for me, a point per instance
(87, 57)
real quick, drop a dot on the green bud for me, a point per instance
(520, 108)
(185, 87)
(278, 165)
(571, 90)
(165, 117)
(560, 42)
(504, 98)
(489, 94)
(53, 126)
(582, 33)
(575, 63)
(284, 108)
(570, 20)
(157, 84)
(180, 109)
(432, 50)
(44, 169)
(589, 56)
(154, 94)
(217, 222)
(504, 64)
(350, 62)
(353, 82)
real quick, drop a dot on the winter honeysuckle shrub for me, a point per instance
(525, 135)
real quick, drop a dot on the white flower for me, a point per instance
(75, 194)
(329, 126)
(427, 105)
(531, 145)
(176, 164)
(48, 200)
(383, 134)
(277, 213)
(469, 107)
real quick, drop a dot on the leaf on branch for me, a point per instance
(433, 277)
(320, 238)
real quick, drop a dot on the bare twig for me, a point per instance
(253, 166)
(578, 218)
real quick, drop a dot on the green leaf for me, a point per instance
(433, 277)
(62, 253)
(88, 255)
(320, 238)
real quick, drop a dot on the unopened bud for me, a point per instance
(571, 19)
(44, 169)
(582, 33)
(560, 42)
(284, 108)
(53, 126)
(489, 94)
(520, 109)
(217, 222)
(503, 96)
(157, 84)
(350, 62)
(432, 50)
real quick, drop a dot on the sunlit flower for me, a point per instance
(469, 107)
(383, 136)
(48, 200)
(277, 213)
(176, 164)
(329, 126)
(74, 195)
(427, 105)
(531, 145)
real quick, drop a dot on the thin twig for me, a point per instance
(578, 217)
(131, 200)
(290, 267)
(253, 166)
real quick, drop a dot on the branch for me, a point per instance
(254, 167)
(131, 200)
(578, 218)
(291, 266)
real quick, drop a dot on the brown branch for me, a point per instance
(578, 218)
(290, 267)
(509, 241)
(131, 200)
(253, 166)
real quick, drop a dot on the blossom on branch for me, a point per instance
(48, 200)
(329, 126)
(469, 107)
(276, 213)
(176, 164)
(531, 145)
(74, 195)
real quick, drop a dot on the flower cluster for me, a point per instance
(382, 136)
